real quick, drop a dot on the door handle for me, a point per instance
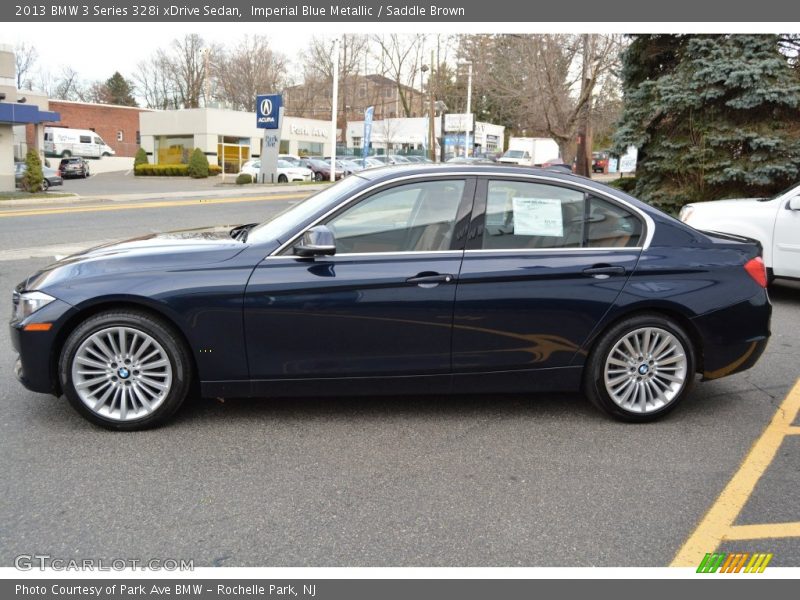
(429, 280)
(604, 271)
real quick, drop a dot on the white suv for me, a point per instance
(775, 222)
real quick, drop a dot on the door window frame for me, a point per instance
(463, 215)
(478, 221)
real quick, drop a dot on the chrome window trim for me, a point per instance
(649, 223)
(378, 254)
(551, 250)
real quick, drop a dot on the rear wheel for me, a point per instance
(282, 179)
(66, 154)
(640, 369)
(125, 370)
(45, 185)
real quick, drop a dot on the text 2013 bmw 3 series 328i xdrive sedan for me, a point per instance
(404, 280)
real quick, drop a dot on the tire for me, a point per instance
(282, 179)
(94, 352)
(317, 176)
(66, 154)
(105, 154)
(45, 185)
(633, 389)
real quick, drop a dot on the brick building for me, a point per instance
(117, 125)
(313, 99)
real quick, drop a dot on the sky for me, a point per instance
(96, 50)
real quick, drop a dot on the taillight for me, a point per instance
(756, 269)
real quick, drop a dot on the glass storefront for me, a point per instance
(310, 149)
(173, 149)
(232, 152)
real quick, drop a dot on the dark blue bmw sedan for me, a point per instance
(406, 280)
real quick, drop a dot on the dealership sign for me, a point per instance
(268, 111)
(459, 122)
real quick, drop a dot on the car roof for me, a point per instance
(393, 171)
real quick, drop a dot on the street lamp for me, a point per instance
(468, 64)
(334, 106)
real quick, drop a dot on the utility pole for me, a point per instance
(467, 145)
(432, 110)
(334, 106)
(582, 163)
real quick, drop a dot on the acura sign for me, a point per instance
(268, 111)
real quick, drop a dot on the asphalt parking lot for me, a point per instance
(399, 481)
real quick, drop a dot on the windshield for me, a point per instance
(278, 225)
(781, 193)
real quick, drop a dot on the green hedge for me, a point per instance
(244, 179)
(170, 170)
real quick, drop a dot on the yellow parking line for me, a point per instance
(761, 531)
(717, 524)
(134, 205)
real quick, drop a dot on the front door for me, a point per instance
(786, 243)
(381, 306)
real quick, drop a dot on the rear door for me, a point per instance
(543, 264)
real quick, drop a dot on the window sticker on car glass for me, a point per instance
(538, 216)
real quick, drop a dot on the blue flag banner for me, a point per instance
(367, 134)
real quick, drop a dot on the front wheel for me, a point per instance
(125, 370)
(317, 176)
(45, 185)
(640, 369)
(282, 179)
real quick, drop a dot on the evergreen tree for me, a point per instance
(140, 158)
(33, 178)
(118, 90)
(198, 164)
(713, 116)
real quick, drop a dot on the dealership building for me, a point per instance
(225, 136)
(401, 135)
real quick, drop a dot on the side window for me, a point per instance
(86, 139)
(611, 226)
(532, 215)
(416, 217)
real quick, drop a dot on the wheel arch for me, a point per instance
(102, 305)
(670, 312)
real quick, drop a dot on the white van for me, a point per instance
(529, 152)
(62, 141)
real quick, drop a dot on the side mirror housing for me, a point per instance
(794, 203)
(317, 241)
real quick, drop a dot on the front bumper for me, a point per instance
(35, 367)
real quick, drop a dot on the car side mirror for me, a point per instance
(317, 241)
(794, 203)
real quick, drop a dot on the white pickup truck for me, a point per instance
(775, 222)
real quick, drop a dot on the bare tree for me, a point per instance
(154, 83)
(538, 79)
(25, 56)
(402, 56)
(185, 63)
(68, 85)
(250, 68)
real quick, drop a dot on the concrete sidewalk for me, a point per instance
(232, 191)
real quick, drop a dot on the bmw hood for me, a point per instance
(158, 251)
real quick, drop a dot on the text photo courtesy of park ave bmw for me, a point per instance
(306, 297)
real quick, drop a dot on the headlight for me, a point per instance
(686, 213)
(27, 303)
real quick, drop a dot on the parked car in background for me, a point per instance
(74, 167)
(320, 168)
(51, 176)
(773, 222)
(286, 171)
(599, 162)
(291, 158)
(557, 163)
(416, 280)
(469, 160)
